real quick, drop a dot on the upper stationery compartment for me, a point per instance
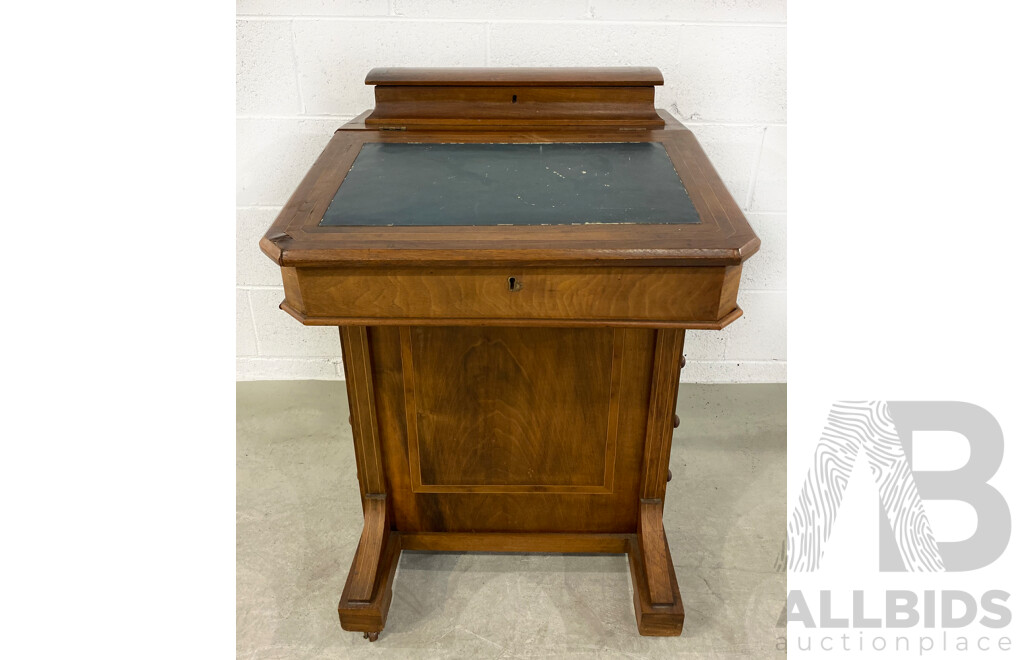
(410, 98)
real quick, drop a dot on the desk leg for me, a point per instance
(656, 600)
(367, 595)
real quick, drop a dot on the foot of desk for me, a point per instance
(370, 616)
(653, 619)
(656, 600)
(367, 595)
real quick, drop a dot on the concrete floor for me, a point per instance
(299, 520)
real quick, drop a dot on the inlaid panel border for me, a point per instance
(611, 437)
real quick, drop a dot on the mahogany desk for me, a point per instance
(513, 257)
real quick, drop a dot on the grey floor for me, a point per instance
(299, 519)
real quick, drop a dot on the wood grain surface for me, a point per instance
(520, 295)
(524, 105)
(597, 491)
(482, 408)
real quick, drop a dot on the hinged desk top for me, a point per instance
(512, 166)
(512, 197)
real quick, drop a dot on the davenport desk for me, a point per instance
(513, 257)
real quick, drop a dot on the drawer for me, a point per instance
(698, 297)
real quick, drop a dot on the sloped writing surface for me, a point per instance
(419, 184)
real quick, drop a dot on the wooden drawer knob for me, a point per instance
(669, 476)
(682, 362)
(675, 421)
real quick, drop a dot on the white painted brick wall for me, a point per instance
(299, 75)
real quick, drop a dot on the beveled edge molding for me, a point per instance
(722, 238)
(718, 324)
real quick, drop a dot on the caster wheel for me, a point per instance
(372, 636)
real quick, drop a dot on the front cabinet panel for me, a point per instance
(490, 429)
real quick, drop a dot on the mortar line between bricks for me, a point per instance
(753, 173)
(487, 45)
(731, 124)
(306, 358)
(252, 317)
(295, 68)
(528, 21)
(302, 116)
(741, 361)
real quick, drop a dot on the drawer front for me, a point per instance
(606, 295)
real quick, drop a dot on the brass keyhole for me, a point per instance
(514, 284)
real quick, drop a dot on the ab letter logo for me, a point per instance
(883, 431)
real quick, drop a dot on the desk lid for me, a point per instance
(438, 176)
(562, 183)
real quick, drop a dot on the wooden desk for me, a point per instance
(513, 257)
